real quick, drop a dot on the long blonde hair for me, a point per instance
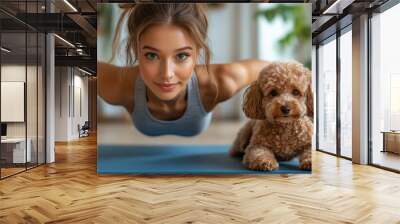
(189, 16)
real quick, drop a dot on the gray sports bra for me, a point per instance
(194, 120)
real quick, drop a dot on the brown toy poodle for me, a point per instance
(280, 104)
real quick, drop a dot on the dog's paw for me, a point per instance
(262, 163)
(305, 164)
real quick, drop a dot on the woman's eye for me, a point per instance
(273, 92)
(151, 56)
(182, 56)
(296, 92)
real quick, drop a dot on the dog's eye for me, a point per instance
(296, 92)
(273, 92)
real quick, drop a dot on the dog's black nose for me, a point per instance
(285, 109)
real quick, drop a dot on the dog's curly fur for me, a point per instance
(280, 104)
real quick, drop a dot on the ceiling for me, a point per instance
(76, 22)
(330, 15)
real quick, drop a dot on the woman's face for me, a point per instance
(167, 56)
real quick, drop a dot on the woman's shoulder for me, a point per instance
(202, 75)
(207, 86)
(116, 84)
(130, 74)
(229, 78)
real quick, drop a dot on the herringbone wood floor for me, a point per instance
(70, 191)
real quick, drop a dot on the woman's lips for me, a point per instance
(167, 87)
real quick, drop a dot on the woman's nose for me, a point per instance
(167, 71)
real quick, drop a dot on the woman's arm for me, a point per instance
(116, 84)
(231, 78)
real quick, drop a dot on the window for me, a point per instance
(327, 96)
(385, 89)
(346, 94)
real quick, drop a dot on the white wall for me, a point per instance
(233, 36)
(69, 82)
(13, 73)
(221, 42)
(61, 103)
(79, 117)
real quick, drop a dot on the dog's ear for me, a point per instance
(310, 99)
(252, 104)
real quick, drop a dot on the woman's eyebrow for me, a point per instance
(184, 48)
(151, 48)
(179, 49)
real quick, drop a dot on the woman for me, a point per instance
(168, 91)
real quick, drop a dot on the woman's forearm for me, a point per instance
(254, 67)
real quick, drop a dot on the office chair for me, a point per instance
(84, 130)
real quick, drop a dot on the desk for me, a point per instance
(391, 141)
(16, 147)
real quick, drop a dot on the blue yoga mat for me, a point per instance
(178, 159)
